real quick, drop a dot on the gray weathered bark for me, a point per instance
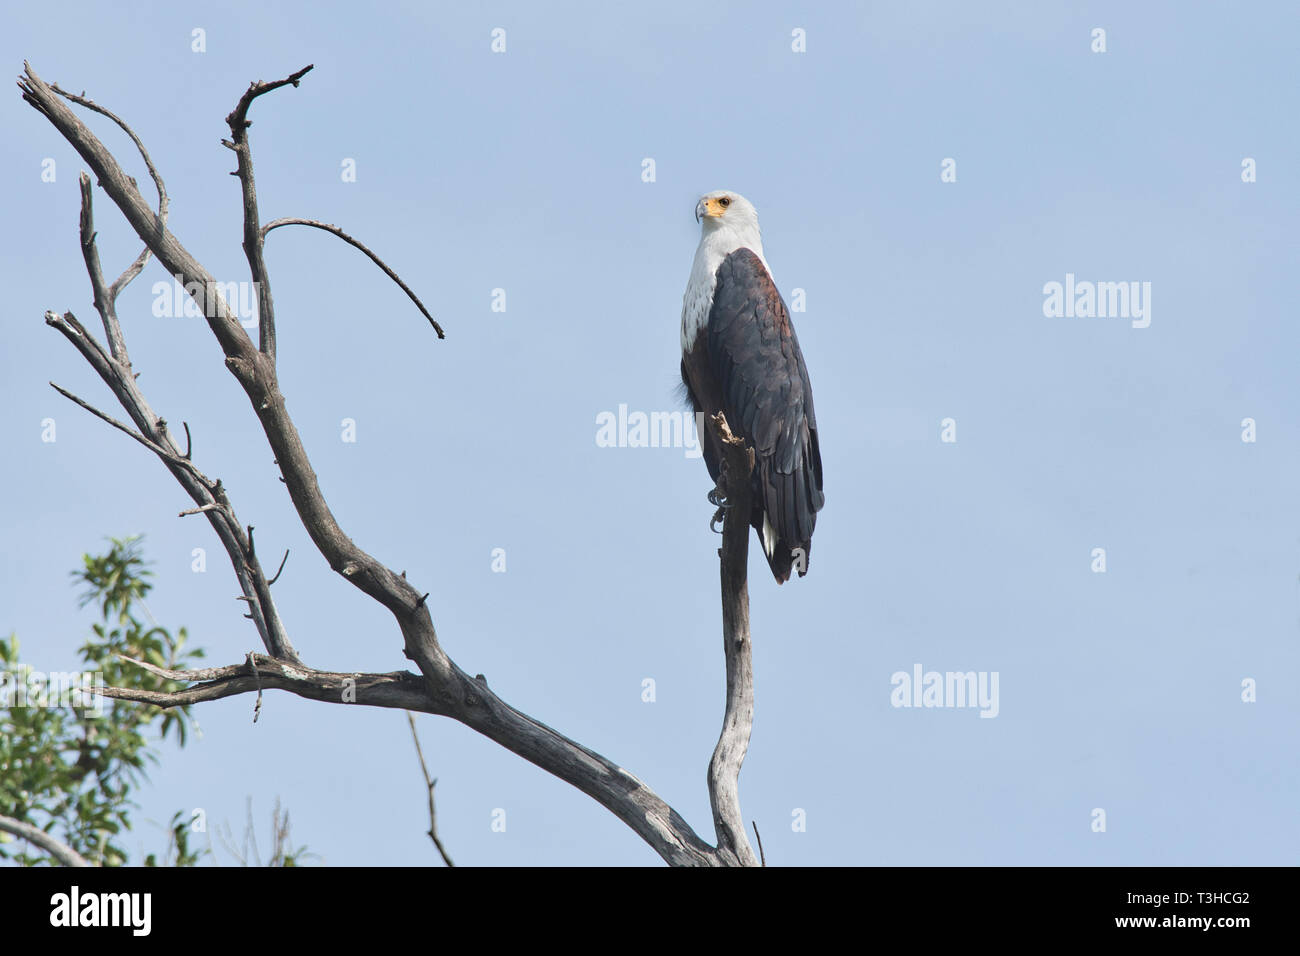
(442, 687)
(65, 854)
(738, 721)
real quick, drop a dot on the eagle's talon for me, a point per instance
(717, 516)
(717, 499)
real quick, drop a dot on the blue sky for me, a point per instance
(522, 171)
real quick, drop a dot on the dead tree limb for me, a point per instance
(253, 236)
(429, 783)
(397, 689)
(35, 835)
(106, 297)
(442, 687)
(738, 718)
(205, 492)
(336, 231)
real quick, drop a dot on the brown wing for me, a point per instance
(759, 369)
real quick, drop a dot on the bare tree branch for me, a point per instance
(738, 720)
(163, 201)
(257, 677)
(398, 689)
(443, 687)
(158, 450)
(280, 569)
(253, 236)
(105, 304)
(206, 493)
(65, 854)
(335, 230)
(254, 372)
(430, 783)
(106, 298)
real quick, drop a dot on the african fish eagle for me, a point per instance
(740, 356)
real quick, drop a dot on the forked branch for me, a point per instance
(238, 122)
(442, 687)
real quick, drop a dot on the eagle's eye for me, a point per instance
(724, 202)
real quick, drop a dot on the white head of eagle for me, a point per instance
(740, 357)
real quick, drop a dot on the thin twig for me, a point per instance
(239, 117)
(430, 783)
(281, 568)
(189, 676)
(125, 429)
(199, 487)
(335, 230)
(135, 268)
(257, 708)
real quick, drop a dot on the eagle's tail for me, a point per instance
(783, 556)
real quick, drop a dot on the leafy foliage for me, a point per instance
(69, 763)
(178, 844)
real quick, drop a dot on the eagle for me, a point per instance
(740, 356)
